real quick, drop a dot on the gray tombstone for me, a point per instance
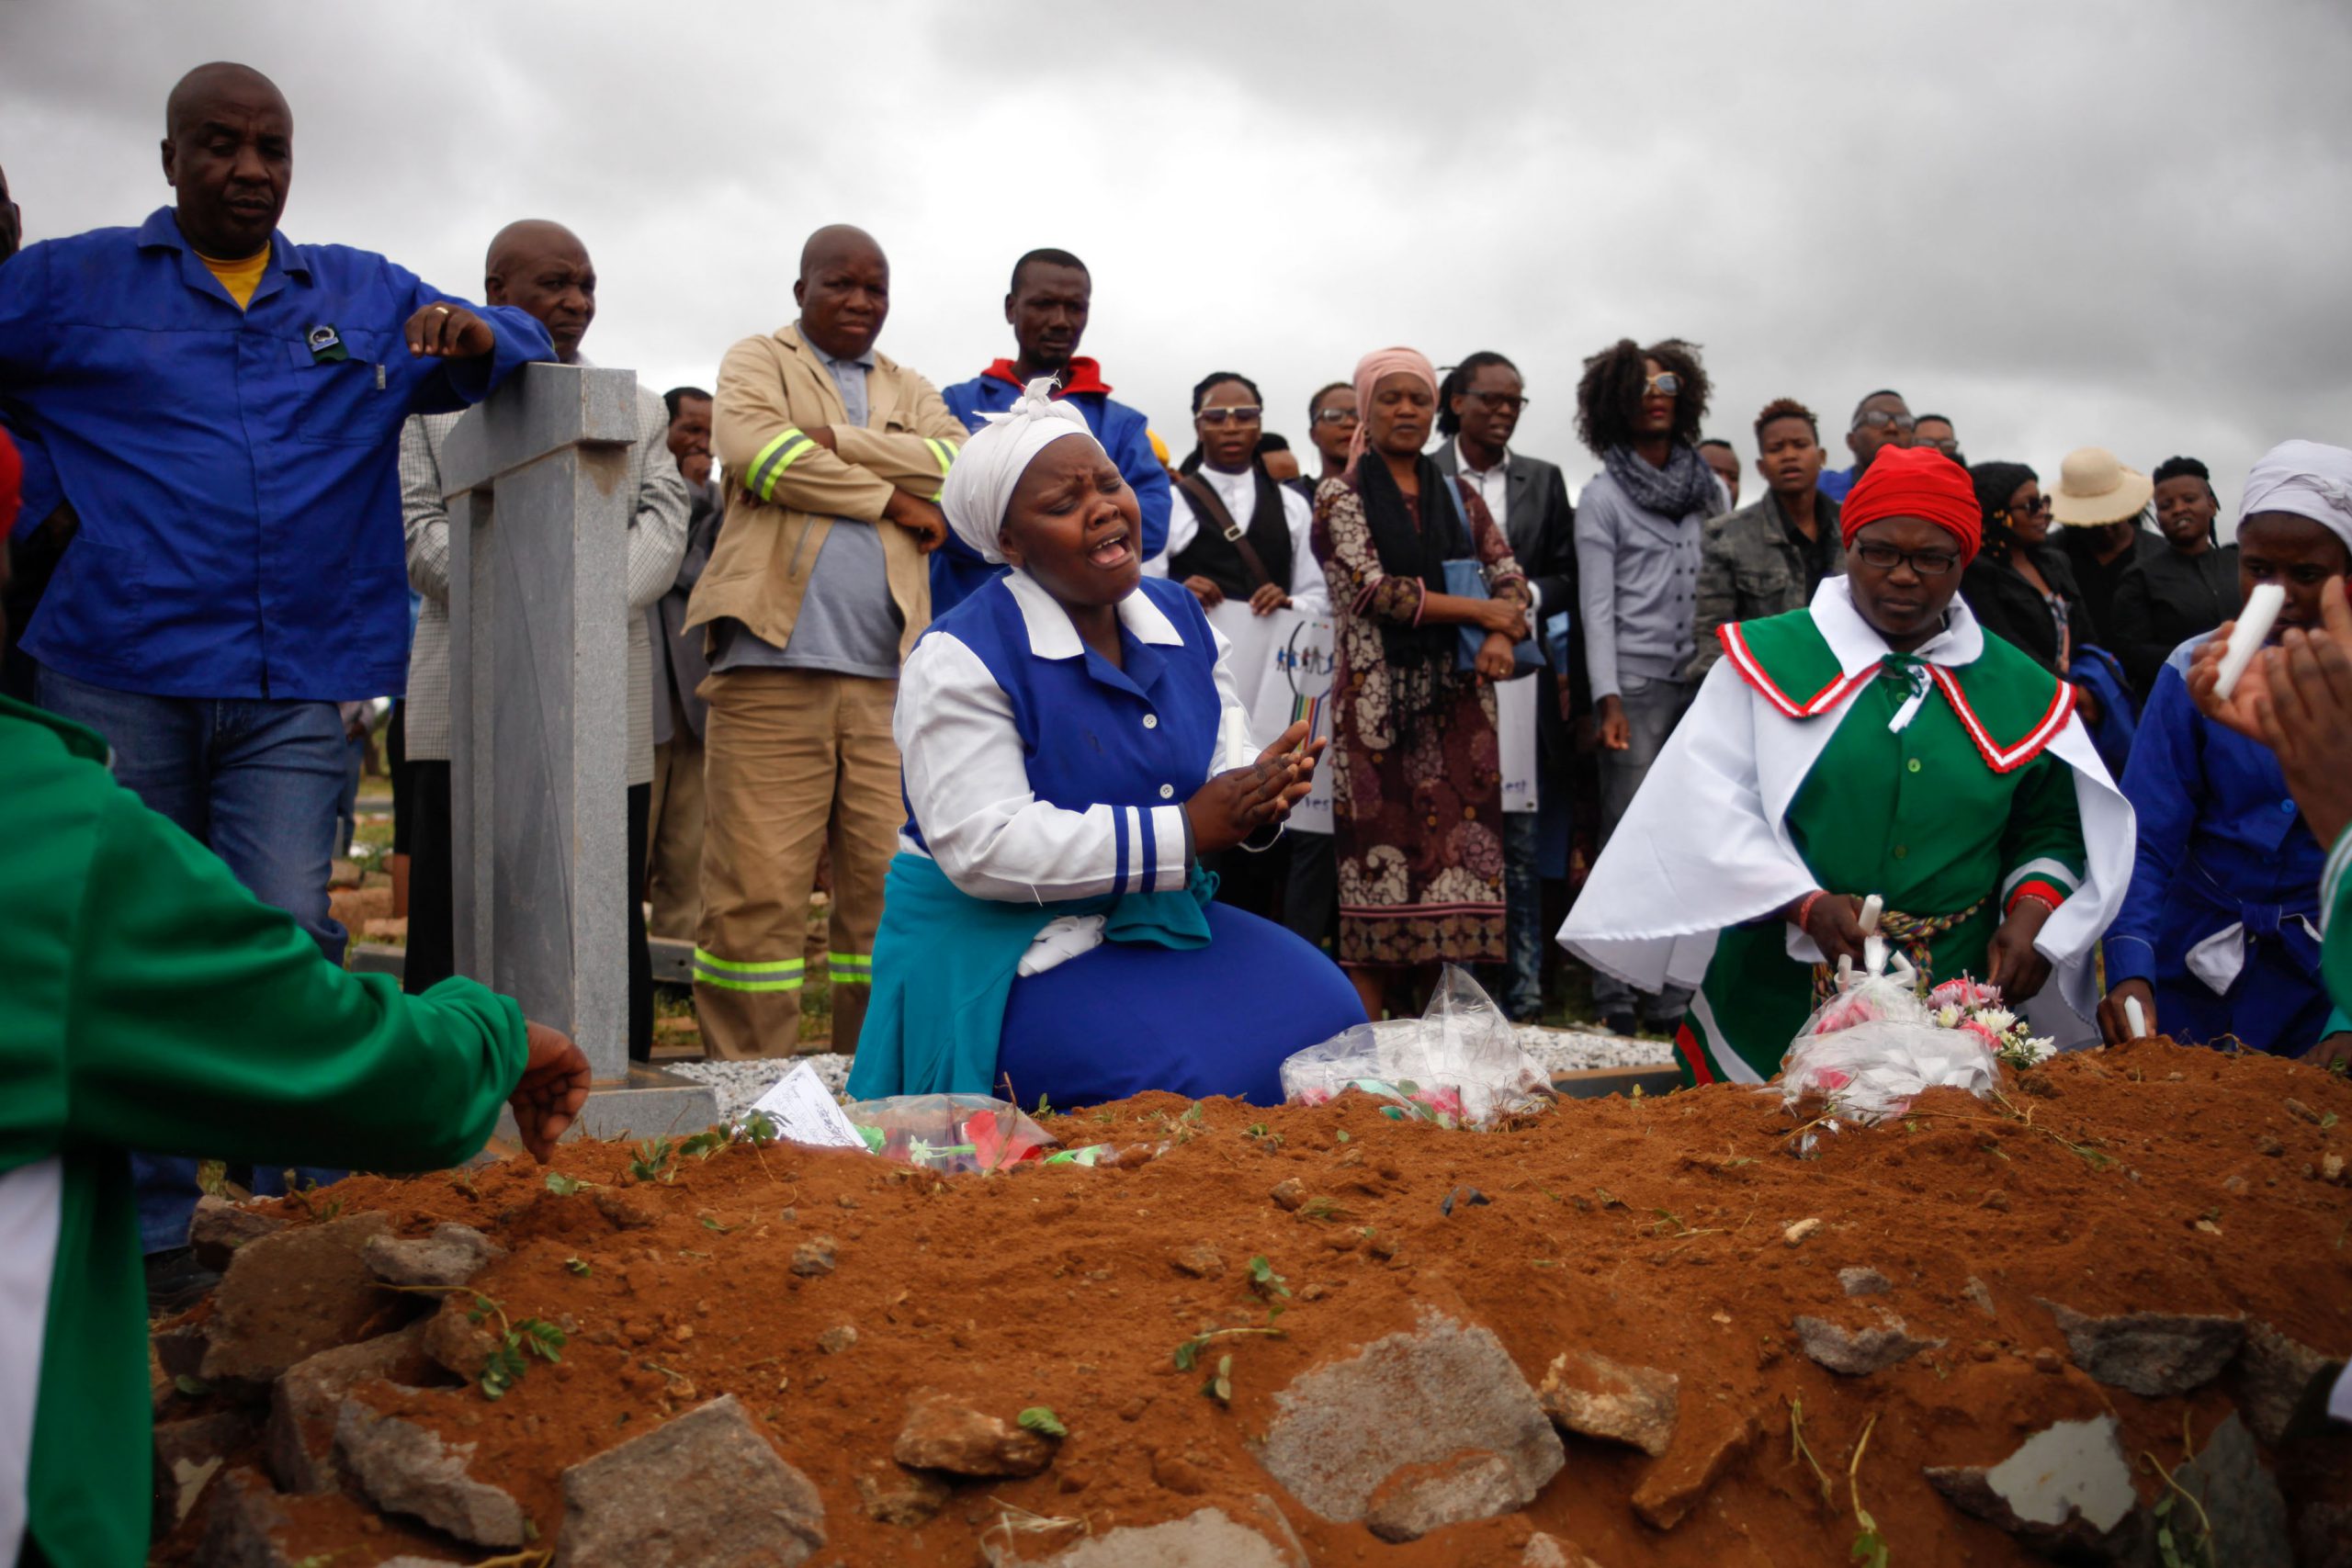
(540, 507)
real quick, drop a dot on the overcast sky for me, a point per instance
(2062, 224)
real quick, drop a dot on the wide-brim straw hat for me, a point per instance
(2095, 489)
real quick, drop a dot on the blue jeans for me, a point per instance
(257, 783)
(1653, 708)
(1518, 981)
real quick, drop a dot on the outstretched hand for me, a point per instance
(1236, 803)
(553, 1088)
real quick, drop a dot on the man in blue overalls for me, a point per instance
(220, 407)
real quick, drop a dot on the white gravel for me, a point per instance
(738, 1084)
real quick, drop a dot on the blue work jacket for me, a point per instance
(957, 570)
(2221, 843)
(234, 472)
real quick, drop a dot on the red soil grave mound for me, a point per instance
(1671, 1234)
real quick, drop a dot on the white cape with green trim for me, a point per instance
(29, 1200)
(1705, 843)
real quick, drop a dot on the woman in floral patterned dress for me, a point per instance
(1418, 778)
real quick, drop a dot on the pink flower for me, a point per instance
(1963, 992)
(1445, 1101)
(1846, 1011)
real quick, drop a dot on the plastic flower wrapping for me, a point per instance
(1458, 1065)
(952, 1134)
(1884, 1039)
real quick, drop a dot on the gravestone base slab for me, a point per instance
(648, 1103)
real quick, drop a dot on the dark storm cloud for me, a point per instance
(2060, 224)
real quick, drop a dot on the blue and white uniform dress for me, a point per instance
(1043, 923)
(2222, 919)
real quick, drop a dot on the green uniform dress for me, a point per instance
(1925, 816)
(150, 1002)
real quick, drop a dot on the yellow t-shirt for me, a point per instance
(239, 277)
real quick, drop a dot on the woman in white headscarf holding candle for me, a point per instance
(1072, 745)
(2220, 933)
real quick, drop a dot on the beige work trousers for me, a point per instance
(795, 761)
(674, 837)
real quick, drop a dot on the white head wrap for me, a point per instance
(979, 486)
(2306, 478)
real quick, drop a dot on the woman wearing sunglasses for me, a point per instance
(1638, 530)
(1241, 542)
(1234, 532)
(2020, 585)
(1878, 741)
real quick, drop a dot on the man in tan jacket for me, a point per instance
(816, 588)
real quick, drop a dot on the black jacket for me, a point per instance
(2007, 605)
(2165, 600)
(1541, 527)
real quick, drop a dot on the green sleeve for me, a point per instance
(203, 1022)
(2335, 903)
(2044, 840)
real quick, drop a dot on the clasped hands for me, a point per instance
(1235, 804)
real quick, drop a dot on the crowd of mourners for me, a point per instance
(959, 659)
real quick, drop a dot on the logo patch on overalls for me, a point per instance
(325, 344)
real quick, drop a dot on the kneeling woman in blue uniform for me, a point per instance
(1071, 744)
(2219, 934)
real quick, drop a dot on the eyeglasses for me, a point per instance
(1878, 419)
(1947, 445)
(2039, 503)
(1926, 563)
(1242, 414)
(1336, 416)
(1665, 384)
(1513, 402)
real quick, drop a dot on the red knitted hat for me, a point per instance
(1916, 481)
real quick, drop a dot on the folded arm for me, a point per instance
(763, 447)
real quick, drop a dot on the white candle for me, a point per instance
(2261, 611)
(2137, 1020)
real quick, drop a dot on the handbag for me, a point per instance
(1466, 579)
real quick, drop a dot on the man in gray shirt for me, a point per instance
(816, 589)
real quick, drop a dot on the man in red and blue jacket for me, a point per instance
(1047, 305)
(220, 407)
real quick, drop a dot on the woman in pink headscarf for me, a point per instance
(1417, 785)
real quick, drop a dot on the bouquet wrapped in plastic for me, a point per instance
(952, 1134)
(1877, 1044)
(1458, 1065)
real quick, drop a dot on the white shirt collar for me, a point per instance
(1858, 645)
(1051, 634)
(1227, 486)
(1462, 460)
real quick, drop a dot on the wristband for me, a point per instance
(1805, 908)
(2041, 891)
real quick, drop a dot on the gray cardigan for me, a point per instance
(1638, 575)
